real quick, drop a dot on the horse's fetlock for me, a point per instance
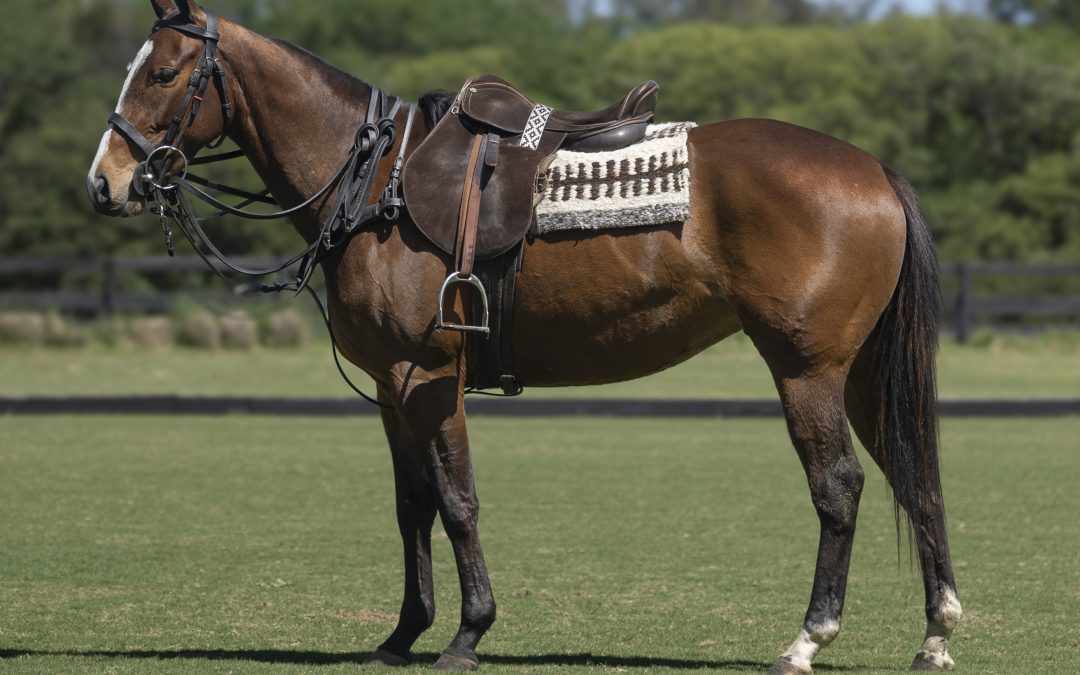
(823, 632)
(479, 617)
(949, 613)
(418, 617)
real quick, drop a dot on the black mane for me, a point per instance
(435, 104)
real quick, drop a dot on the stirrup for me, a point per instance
(471, 280)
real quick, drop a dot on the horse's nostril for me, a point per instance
(98, 189)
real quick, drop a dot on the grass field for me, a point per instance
(731, 369)
(259, 545)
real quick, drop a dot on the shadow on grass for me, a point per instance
(334, 658)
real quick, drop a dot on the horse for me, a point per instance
(808, 245)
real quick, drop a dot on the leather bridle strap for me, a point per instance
(207, 68)
(128, 130)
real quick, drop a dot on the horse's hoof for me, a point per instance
(785, 667)
(457, 660)
(932, 662)
(934, 656)
(381, 657)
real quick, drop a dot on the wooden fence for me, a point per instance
(966, 305)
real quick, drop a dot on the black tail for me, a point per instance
(904, 365)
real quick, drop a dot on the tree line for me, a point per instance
(981, 113)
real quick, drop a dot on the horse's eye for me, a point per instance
(163, 76)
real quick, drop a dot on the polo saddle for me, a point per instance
(472, 185)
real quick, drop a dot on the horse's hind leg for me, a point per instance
(943, 611)
(416, 509)
(814, 408)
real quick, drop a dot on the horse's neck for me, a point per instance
(296, 117)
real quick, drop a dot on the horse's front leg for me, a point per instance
(430, 407)
(415, 499)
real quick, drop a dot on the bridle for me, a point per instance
(151, 170)
(354, 178)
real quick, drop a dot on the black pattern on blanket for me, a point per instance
(647, 183)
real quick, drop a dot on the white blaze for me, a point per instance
(133, 67)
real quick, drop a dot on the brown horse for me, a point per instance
(805, 243)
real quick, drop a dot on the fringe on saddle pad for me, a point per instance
(647, 183)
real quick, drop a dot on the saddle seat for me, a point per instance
(496, 103)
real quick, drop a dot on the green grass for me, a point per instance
(731, 369)
(258, 545)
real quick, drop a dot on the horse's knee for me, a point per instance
(837, 490)
(413, 514)
(459, 518)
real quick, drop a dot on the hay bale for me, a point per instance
(22, 328)
(286, 329)
(239, 331)
(199, 330)
(155, 332)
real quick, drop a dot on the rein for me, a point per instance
(354, 178)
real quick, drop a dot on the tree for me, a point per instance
(1065, 12)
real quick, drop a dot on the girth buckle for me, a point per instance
(468, 280)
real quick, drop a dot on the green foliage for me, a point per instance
(983, 116)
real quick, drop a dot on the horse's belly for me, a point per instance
(607, 309)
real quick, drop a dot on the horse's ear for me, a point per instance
(185, 10)
(161, 7)
(190, 11)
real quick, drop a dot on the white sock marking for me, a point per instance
(133, 67)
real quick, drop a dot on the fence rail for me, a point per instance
(967, 309)
(964, 307)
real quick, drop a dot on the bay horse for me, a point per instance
(810, 246)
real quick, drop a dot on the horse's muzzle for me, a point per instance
(100, 193)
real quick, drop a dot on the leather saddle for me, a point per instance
(471, 186)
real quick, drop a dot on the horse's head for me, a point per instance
(157, 118)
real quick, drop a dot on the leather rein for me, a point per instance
(354, 178)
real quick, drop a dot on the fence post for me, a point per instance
(108, 287)
(963, 303)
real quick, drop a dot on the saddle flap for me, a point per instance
(432, 180)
